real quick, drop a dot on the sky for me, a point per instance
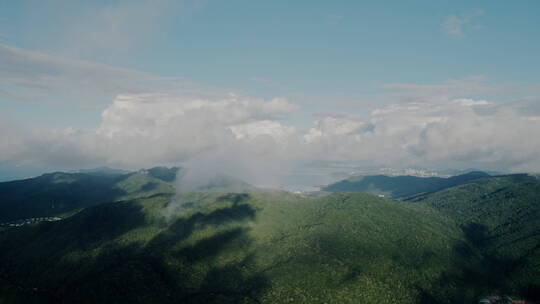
(266, 88)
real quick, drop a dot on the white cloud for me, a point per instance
(463, 133)
(244, 137)
(239, 135)
(455, 24)
(142, 113)
(471, 102)
(60, 148)
(439, 92)
(332, 126)
(115, 27)
(425, 125)
(100, 30)
(148, 128)
(270, 128)
(37, 76)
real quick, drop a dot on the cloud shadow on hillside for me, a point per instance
(478, 271)
(163, 270)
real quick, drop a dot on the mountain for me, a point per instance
(260, 247)
(400, 186)
(500, 218)
(61, 193)
(215, 246)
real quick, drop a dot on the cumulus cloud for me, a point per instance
(270, 128)
(237, 136)
(462, 133)
(244, 135)
(173, 128)
(248, 138)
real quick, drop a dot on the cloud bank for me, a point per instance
(460, 133)
(149, 121)
(249, 138)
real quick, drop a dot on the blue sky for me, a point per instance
(340, 57)
(277, 48)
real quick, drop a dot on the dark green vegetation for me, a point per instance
(275, 247)
(500, 218)
(59, 193)
(268, 247)
(400, 186)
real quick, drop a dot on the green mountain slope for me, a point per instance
(500, 217)
(214, 246)
(258, 247)
(400, 186)
(56, 194)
